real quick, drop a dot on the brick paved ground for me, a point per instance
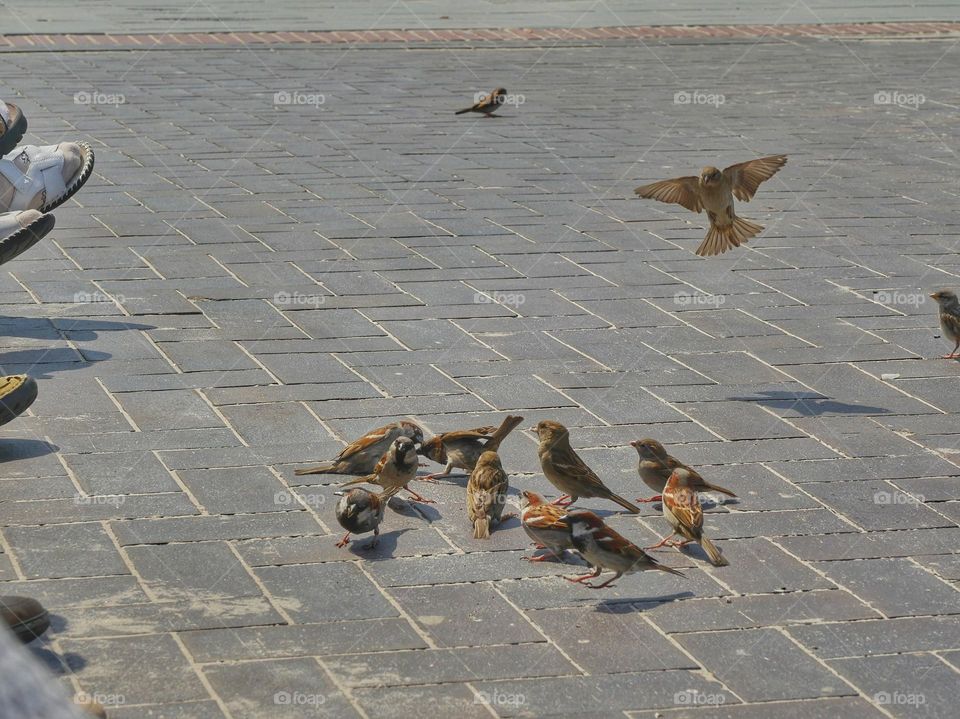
(243, 285)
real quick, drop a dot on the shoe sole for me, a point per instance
(15, 403)
(15, 132)
(23, 239)
(79, 181)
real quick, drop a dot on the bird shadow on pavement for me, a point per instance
(629, 605)
(412, 508)
(812, 406)
(385, 548)
(59, 664)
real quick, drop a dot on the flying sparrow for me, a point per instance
(486, 494)
(360, 511)
(488, 105)
(681, 507)
(949, 319)
(396, 468)
(656, 467)
(544, 524)
(566, 471)
(714, 191)
(361, 456)
(604, 548)
(463, 448)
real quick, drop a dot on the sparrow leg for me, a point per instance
(559, 501)
(953, 355)
(665, 542)
(418, 497)
(346, 540)
(607, 583)
(447, 471)
(584, 577)
(658, 498)
(375, 541)
(544, 557)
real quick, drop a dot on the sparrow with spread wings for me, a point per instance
(714, 191)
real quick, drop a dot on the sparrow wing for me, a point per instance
(546, 516)
(745, 177)
(476, 433)
(683, 191)
(367, 441)
(575, 468)
(684, 505)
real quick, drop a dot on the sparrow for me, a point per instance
(656, 466)
(681, 507)
(714, 191)
(566, 471)
(361, 456)
(486, 494)
(360, 511)
(544, 524)
(463, 448)
(488, 105)
(949, 319)
(604, 548)
(396, 468)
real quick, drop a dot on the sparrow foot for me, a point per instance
(344, 541)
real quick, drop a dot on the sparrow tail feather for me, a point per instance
(721, 239)
(665, 568)
(624, 503)
(721, 490)
(713, 552)
(505, 428)
(481, 528)
(326, 468)
(360, 480)
(460, 112)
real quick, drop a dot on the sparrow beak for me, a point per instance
(933, 296)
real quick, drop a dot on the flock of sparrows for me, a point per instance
(389, 458)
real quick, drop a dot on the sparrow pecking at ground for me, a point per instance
(604, 548)
(949, 319)
(488, 105)
(462, 449)
(361, 456)
(714, 191)
(656, 466)
(545, 525)
(486, 494)
(360, 511)
(396, 468)
(566, 471)
(681, 507)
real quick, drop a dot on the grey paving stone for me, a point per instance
(446, 699)
(466, 615)
(324, 592)
(210, 528)
(894, 586)
(203, 572)
(434, 666)
(755, 649)
(279, 688)
(327, 639)
(188, 710)
(886, 636)
(906, 685)
(239, 490)
(122, 664)
(121, 473)
(856, 708)
(76, 550)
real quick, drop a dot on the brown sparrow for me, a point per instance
(681, 507)
(488, 105)
(360, 511)
(714, 191)
(656, 467)
(395, 469)
(949, 319)
(604, 548)
(463, 448)
(544, 524)
(566, 471)
(486, 494)
(361, 456)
